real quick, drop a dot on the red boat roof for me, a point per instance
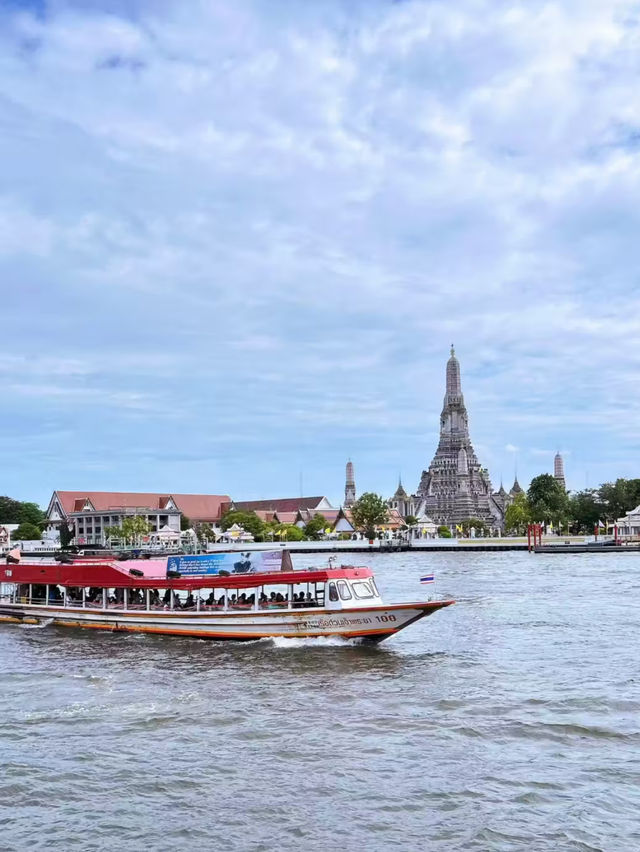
(151, 574)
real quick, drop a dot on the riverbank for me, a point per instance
(456, 545)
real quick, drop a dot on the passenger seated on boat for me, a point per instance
(280, 598)
(272, 597)
(310, 600)
(154, 598)
(210, 601)
(190, 602)
(166, 598)
(221, 600)
(263, 598)
(251, 599)
(242, 599)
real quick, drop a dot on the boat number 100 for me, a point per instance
(385, 618)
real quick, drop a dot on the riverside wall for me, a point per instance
(459, 545)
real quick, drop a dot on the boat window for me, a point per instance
(345, 592)
(362, 589)
(333, 592)
(374, 587)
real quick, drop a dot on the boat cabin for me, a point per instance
(148, 585)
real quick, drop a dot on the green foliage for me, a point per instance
(410, 520)
(315, 528)
(204, 532)
(185, 523)
(131, 530)
(444, 532)
(17, 512)
(585, 509)
(369, 512)
(289, 532)
(548, 500)
(249, 522)
(518, 514)
(66, 535)
(619, 497)
(27, 532)
(478, 525)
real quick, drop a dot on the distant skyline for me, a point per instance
(238, 239)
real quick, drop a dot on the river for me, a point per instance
(510, 721)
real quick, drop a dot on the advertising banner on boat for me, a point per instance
(257, 562)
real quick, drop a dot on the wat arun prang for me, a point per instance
(456, 487)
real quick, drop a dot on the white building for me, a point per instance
(629, 525)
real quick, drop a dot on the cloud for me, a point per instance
(266, 222)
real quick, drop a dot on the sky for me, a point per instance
(238, 239)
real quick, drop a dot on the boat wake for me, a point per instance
(314, 641)
(39, 625)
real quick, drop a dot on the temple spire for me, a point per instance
(350, 485)
(453, 375)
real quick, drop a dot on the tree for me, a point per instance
(518, 514)
(411, 520)
(289, 532)
(619, 497)
(315, 527)
(205, 532)
(185, 523)
(17, 512)
(27, 532)
(369, 512)
(547, 499)
(249, 522)
(66, 535)
(585, 509)
(444, 531)
(133, 528)
(477, 524)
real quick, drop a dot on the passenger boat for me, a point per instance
(150, 596)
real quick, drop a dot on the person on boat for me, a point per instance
(154, 598)
(211, 600)
(263, 599)
(221, 600)
(309, 600)
(190, 602)
(166, 598)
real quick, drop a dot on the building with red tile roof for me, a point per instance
(88, 513)
(279, 504)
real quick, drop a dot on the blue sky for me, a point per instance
(238, 239)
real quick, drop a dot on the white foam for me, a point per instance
(314, 641)
(45, 622)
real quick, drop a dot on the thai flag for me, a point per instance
(428, 578)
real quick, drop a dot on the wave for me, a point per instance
(313, 642)
(40, 625)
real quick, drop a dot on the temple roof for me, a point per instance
(515, 488)
(400, 494)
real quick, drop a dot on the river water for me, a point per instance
(510, 721)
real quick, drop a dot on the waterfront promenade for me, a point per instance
(474, 545)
